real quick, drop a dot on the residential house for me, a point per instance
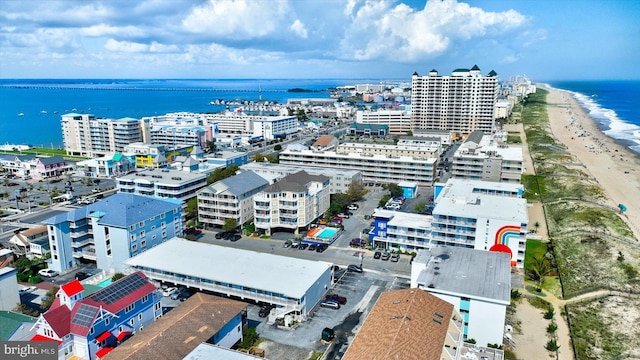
(408, 324)
(20, 243)
(91, 327)
(325, 142)
(182, 329)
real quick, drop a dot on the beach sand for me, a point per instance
(615, 167)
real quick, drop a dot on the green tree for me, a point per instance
(229, 224)
(211, 146)
(277, 147)
(302, 115)
(394, 190)
(117, 276)
(384, 200)
(49, 297)
(409, 133)
(222, 173)
(536, 225)
(552, 328)
(420, 208)
(191, 210)
(356, 191)
(540, 267)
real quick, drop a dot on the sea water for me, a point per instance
(613, 106)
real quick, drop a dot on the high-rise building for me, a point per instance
(86, 135)
(462, 102)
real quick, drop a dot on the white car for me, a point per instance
(169, 291)
(352, 207)
(26, 290)
(48, 273)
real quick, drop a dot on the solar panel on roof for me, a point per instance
(84, 316)
(119, 289)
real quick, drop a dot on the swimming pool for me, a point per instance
(327, 233)
(105, 282)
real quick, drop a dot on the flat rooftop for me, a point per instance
(163, 176)
(466, 272)
(278, 274)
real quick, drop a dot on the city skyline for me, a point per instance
(353, 39)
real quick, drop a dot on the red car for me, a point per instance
(12, 184)
(335, 297)
(337, 219)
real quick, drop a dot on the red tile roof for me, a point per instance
(39, 337)
(59, 318)
(72, 288)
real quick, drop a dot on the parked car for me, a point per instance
(295, 244)
(48, 273)
(341, 299)
(220, 235)
(343, 216)
(337, 219)
(26, 290)
(355, 268)
(235, 237)
(353, 207)
(355, 242)
(287, 243)
(321, 248)
(385, 256)
(395, 257)
(331, 304)
(377, 255)
(81, 275)
(312, 247)
(303, 246)
(169, 291)
(264, 311)
(12, 184)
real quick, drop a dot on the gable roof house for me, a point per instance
(91, 327)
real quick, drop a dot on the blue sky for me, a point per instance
(348, 39)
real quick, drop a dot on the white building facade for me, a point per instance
(399, 121)
(86, 135)
(462, 102)
(162, 183)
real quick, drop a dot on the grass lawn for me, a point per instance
(551, 285)
(534, 249)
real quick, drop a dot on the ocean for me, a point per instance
(612, 104)
(41, 101)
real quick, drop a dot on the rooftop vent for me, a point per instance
(431, 286)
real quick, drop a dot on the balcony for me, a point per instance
(79, 244)
(79, 234)
(89, 253)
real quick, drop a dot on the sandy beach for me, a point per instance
(615, 167)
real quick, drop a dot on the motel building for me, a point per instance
(293, 286)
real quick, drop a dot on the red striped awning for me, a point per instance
(123, 334)
(103, 352)
(104, 336)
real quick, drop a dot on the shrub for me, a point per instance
(249, 339)
(23, 277)
(117, 276)
(552, 345)
(35, 279)
(552, 328)
(549, 314)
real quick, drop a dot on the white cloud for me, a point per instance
(109, 30)
(162, 48)
(400, 33)
(509, 59)
(298, 28)
(236, 19)
(125, 46)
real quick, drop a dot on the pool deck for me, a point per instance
(310, 238)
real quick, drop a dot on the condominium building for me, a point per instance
(86, 135)
(237, 122)
(340, 179)
(179, 129)
(378, 168)
(397, 121)
(156, 155)
(231, 198)
(462, 102)
(292, 203)
(111, 230)
(417, 148)
(476, 283)
(163, 183)
(481, 157)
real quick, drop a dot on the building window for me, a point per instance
(145, 298)
(163, 225)
(140, 317)
(134, 247)
(157, 307)
(142, 233)
(161, 216)
(164, 234)
(141, 327)
(91, 331)
(143, 243)
(106, 321)
(128, 308)
(141, 224)
(133, 238)
(132, 227)
(131, 321)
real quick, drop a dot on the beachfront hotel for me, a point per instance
(480, 215)
(486, 157)
(387, 164)
(397, 121)
(462, 102)
(88, 136)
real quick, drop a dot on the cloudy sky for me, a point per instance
(354, 39)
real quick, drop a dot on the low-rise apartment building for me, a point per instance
(292, 203)
(162, 183)
(378, 168)
(477, 283)
(111, 230)
(231, 198)
(397, 121)
(340, 179)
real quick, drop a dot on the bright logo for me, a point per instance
(503, 235)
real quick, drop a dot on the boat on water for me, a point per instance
(21, 114)
(43, 111)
